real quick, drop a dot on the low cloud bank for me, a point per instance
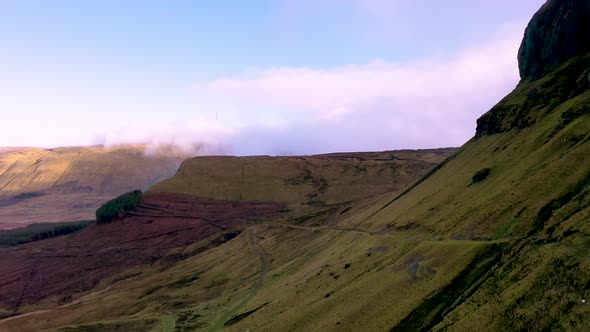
(379, 105)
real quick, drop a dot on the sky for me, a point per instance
(279, 77)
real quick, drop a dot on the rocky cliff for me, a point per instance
(559, 31)
(554, 66)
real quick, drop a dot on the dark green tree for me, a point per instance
(124, 203)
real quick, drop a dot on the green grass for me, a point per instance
(433, 309)
(506, 228)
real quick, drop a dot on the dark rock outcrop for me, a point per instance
(559, 31)
(556, 47)
(531, 101)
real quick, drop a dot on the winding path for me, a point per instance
(264, 268)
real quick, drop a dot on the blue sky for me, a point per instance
(255, 77)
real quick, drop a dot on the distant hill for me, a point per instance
(302, 181)
(68, 184)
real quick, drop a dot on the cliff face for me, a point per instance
(530, 102)
(554, 64)
(559, 31)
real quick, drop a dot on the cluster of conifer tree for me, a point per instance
(113, 208)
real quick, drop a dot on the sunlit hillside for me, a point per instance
(68, 184)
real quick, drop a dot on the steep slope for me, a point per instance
(66, 184)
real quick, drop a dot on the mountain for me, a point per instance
(68, 184)
(494, 238)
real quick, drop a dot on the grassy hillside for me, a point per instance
(68, 184)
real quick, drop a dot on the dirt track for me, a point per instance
(264, 260)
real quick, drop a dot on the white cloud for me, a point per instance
(190, 136)
(433, 101)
